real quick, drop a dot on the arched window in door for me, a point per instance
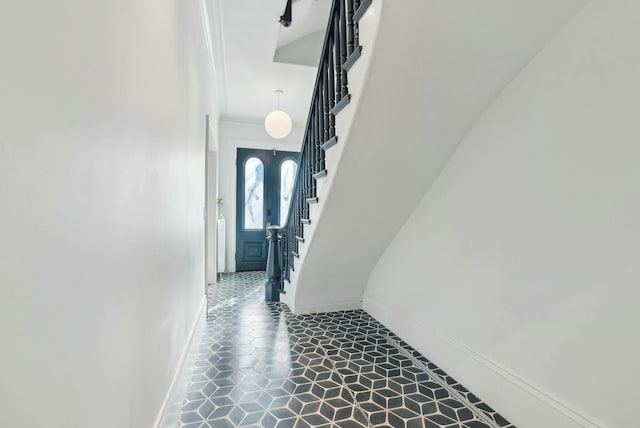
(288, 171)
(253, 194)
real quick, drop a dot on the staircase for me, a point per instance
(389, 111)
(447, 89)
(330, 114)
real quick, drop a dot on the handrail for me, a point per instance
(330, 95)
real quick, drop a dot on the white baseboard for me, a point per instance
(520, 400)
(162, 413)
(329, 307)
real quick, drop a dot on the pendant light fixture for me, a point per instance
(278, 123)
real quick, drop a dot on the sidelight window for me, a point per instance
(288, 171)
(254, 194)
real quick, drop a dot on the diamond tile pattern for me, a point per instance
(258, 365)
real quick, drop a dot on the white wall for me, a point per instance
(212, 216)
(518, 271)
(398, 132)
(234, 134)
(102, 120)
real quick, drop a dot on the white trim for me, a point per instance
(516, 392)
(215, 50)
(329, 307)
(207, 34)
(219, 56)
(162, 413)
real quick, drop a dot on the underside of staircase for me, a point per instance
(342, 73)
(392, 103)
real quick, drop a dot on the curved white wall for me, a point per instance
(102, 133)
(518, 271)
(433, 68)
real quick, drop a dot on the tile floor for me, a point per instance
(255, 364)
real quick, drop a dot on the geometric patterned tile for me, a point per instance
(258, 365)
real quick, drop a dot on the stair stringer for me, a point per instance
(357, 76)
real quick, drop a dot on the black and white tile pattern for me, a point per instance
(258, 365)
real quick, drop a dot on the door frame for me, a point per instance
(206, 205)
(245, 136)
(271, 193)
(210, 207)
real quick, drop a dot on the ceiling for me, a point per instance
(254, 55)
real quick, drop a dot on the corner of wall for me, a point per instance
(172, 404)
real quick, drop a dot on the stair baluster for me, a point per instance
(319, 134)
(350, 28)
(342, 17)
(330, 95)
(334, 59)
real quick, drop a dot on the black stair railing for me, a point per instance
(330, 95)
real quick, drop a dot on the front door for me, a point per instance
(263, 193)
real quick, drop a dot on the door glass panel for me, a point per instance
(288, 170)
(254, 194)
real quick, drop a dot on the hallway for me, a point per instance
(257, 364)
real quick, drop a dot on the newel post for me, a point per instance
(274, 266)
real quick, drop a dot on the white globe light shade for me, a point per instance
(278, 124)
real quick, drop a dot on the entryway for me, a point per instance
(264, 187)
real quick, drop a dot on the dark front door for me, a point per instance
(263, 192)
